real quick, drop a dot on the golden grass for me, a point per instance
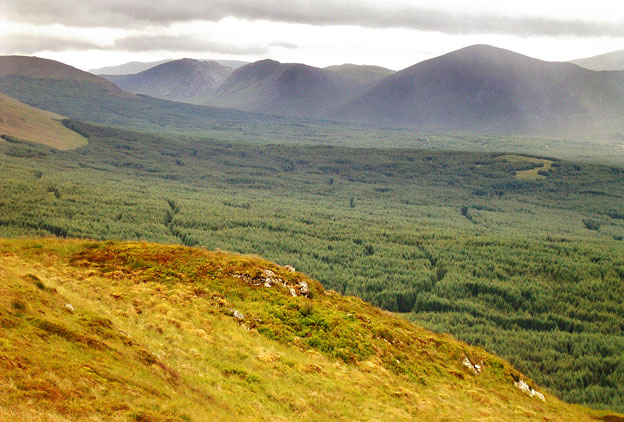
(151, 338)
(531, 174)
(32, 124)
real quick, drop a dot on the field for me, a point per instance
(453, 240)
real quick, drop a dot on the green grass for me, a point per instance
(452, 239)
(151, 337)
(20, 121)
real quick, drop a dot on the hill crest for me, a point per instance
(198, 335)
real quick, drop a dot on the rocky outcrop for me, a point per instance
(475, 368)
(269, 279)
(524, 387)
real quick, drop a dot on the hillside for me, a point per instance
(486, 89)
(608, 61)
(136, 67)
(61, 89)
(36, 68)
(178, 80)
(283, 88)
(365, 75)
(127, 68)
(22, 122)
(135, 331)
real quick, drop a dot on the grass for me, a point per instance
(541, 166)
(451, 239)
(23, 122)
(151, 337)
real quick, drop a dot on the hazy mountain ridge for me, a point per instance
(363, 74)
(613, 60)
(476, 89)
(180, 80)
(284, 88)
(482, 88)
(136, 67)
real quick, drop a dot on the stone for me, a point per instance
(293, 292)
(290, 268)
(475, 368)
(69, 307)
(237, 315)
(304, 289)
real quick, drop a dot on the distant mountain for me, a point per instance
(136, 67)
(78, 95)
(127, 68)
(608, 61)
(482, 88)
(366, 75)
(35, 67)
(25, 123)
(284, 88)
(180, 80)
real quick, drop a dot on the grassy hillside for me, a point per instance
(454, 240)
(135, 331)
(18, 120)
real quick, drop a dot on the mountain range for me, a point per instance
(608, 61)
(136, 67)
(181, 80)
(477, 89)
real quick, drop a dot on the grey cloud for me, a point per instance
(284, 44)
(184, 44)
(30, 43)
(131, 13)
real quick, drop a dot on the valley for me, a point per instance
(476, 195)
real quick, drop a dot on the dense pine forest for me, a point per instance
(522, 255)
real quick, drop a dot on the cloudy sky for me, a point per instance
(391, 33)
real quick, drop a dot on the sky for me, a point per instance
(392, 33)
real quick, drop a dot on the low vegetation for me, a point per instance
(134, 331)
(451, 239)
(22, 122)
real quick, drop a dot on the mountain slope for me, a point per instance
(78, 95)
(283, 88)
(122, 331)
(608, 61)
(36, 68)
(136, 67)
(179, 80)
(365, 75)
(18, 120)
(482, 88)
(127, 68)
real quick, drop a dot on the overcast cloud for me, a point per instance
(391, 33)
(185, 44)
(134, 13)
